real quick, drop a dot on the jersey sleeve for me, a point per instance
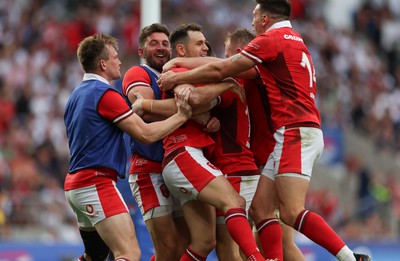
(113, 106)
(135, 76)
(261, 49)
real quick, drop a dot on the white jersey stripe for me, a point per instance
(249, 55)
(136, 84)
(128, 113)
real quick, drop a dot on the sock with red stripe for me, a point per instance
(240, 231)
(190, 255)
(315, 228)
(270, 233)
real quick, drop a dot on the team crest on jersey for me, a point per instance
(164, 190)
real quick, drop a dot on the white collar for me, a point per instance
(93, 76)
(280, 24)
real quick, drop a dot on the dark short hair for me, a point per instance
(276, 7)
(180, 34)
(240, 36)
(92, 49)
(150, 29)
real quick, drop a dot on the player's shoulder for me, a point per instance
(135, 70)
(136, 74)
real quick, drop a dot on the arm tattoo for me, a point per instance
(236, 57)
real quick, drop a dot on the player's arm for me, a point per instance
(189, 62)
(151, 132)
(211, 72)
(148, 94)
(165, 107)
(194, 62)
(201, 98)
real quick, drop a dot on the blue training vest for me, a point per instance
(153, 151)
(93, 140)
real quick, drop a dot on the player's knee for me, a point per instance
(259, 212)
(94, 245)
(240, 202)
(288, 216)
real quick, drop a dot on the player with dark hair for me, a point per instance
(194, 180)
(167, 231)
(287, 71)
(261, 135)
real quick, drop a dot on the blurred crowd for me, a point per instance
(358, 79)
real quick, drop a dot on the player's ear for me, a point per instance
(140, 52)
(265, 19)
(102, 65)
(180, 49)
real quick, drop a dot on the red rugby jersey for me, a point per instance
(232, 154)
(287, 70)
(189, 134)
(262, 140)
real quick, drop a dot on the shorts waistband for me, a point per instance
(172, 155)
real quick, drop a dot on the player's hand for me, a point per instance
(166, 81)
(169, 65)
(182, 102)
(237, 88)
(138, 104)
(212, 125)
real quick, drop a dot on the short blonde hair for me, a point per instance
(92, 49)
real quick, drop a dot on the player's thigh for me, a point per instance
(162, 230)
(211, 194)
(292, 194)
(119, 233)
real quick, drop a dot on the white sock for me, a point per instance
(345, 254)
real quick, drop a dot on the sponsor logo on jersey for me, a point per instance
(292, 37)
